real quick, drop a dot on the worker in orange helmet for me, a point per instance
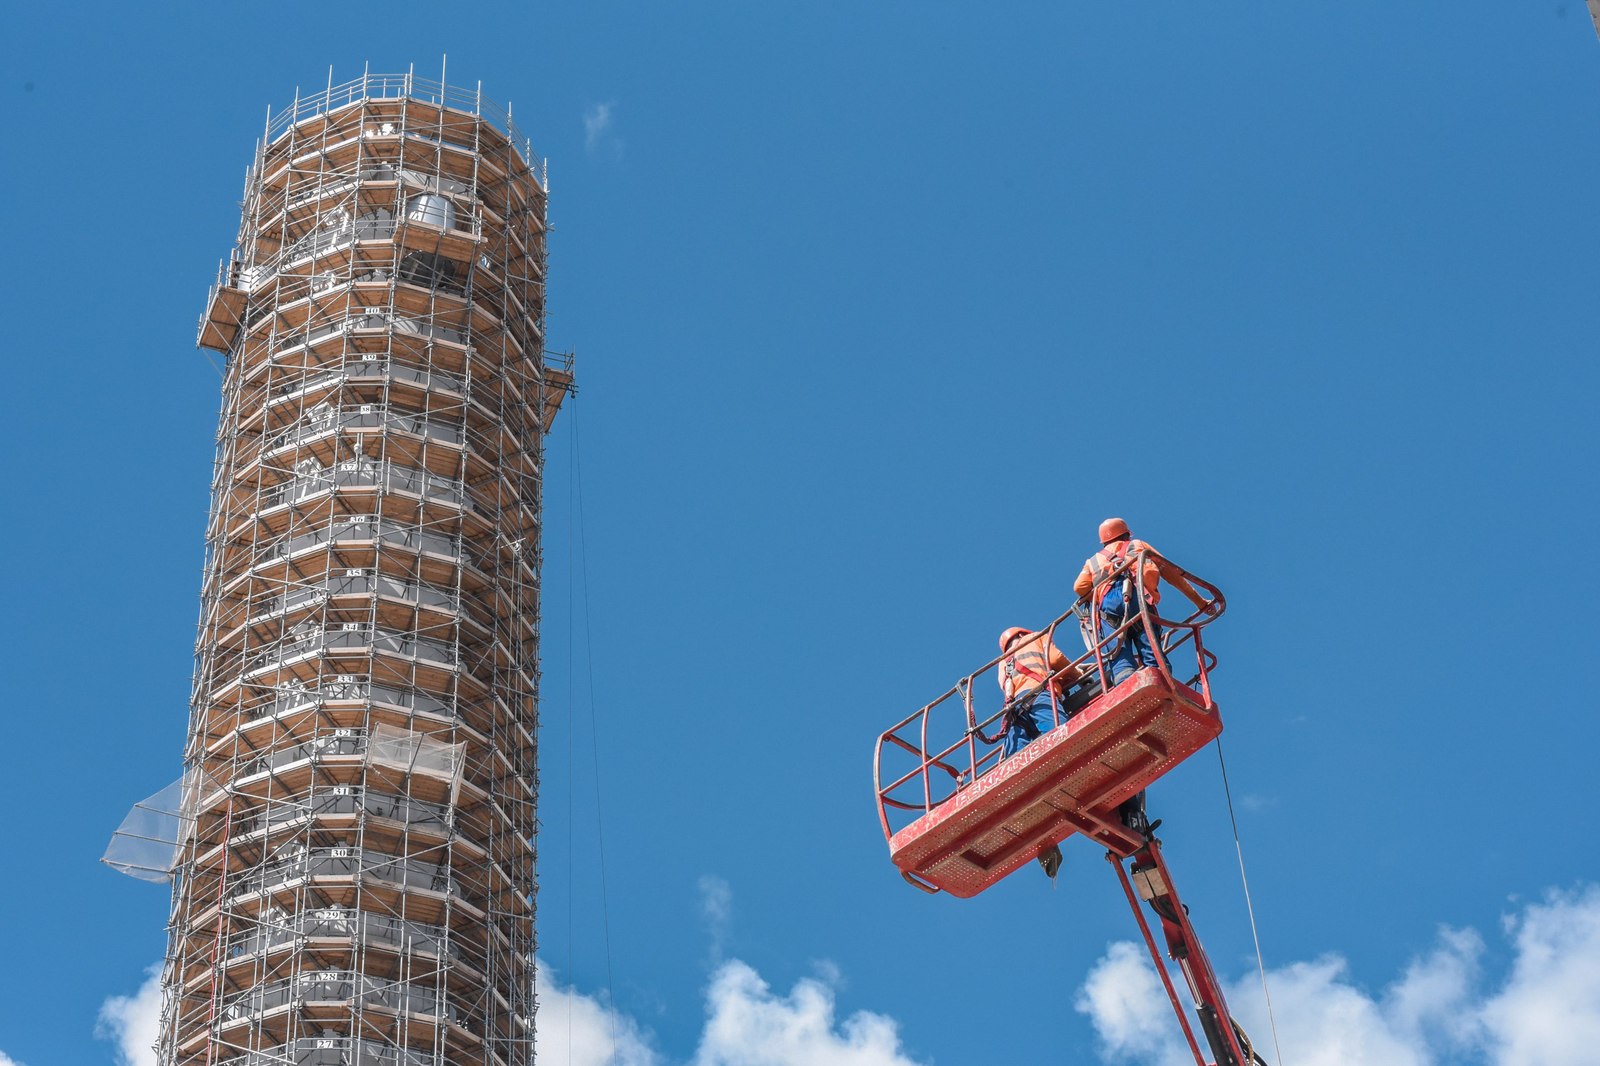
(1118, 595)
(1032, 669)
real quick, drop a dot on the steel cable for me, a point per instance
(594, 727)
(572, 718)
(1261, 964)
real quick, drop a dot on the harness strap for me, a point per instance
(1017, 668)
(1011, 713)
(1014, 667)
(1102, 562)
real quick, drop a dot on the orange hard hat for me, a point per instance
(1011, 635)
(1111, 529)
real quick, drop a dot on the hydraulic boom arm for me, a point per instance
(1150, 880)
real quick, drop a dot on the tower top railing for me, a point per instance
(395, 86)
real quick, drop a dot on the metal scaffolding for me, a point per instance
(353, 854)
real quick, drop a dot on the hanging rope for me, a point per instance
(1261, 964)
(594, 722)
(572, 718)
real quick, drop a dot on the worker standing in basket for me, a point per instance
(1032, 668)
(1118, 596)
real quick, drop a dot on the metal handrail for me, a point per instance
(364, 583)
(1091, 665)
(375, 365)
(336, 921)
(395, 86)
(334, 986)
(335, 1051)
(314, 187)
(353, 863)
(353, 638)
(289, 697)
(322, 420)
(378, 226)
(311, 478)
(355, 800)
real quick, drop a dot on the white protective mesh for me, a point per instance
(148, 842)
(416, 753)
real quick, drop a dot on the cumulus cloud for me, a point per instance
(7, 1060)
(1549, 1008)
(1543, 1011)
(1546, 1010)
(132, 1023)
(716, 908)
(1121, 997)
(580, 1030)
(598, 132)
(748, 1024)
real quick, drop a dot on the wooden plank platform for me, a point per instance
(224, 315)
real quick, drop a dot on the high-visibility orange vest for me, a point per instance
(1024, 671)
(1106, 560)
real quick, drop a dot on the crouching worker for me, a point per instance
(1032, 669)
(1026, 681)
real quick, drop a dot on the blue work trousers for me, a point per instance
(1030, 718)
(1134, 650)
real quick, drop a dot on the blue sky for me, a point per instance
(879, 309)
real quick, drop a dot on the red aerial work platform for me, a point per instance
(959, 815)
(1071, 780)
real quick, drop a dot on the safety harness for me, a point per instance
(1102, 565)
(1012, 669)
(1103, 562)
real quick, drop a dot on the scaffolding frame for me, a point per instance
(356, 881)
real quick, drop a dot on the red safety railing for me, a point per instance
(930, 756)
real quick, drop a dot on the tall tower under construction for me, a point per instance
(355, 882)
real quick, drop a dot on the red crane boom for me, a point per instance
(960, 814)
(1151, 881)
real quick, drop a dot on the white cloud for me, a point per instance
(1546, 1011)
(598, 121)
(1432, 1002)
(580, 1030)
(716, 907)
(1121, 996)
(748, 1025)
(1325, 1020)
(1549, 1009)
(7, 1060)
(133, 1022)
